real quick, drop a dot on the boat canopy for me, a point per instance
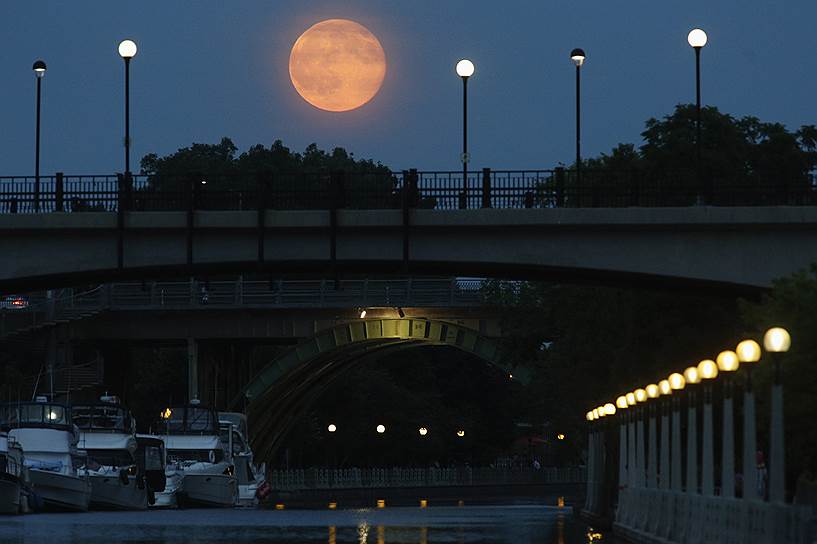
(103, 417)
(190, 419)
(36, 415)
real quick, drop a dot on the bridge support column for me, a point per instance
(707, 460)
(663, 476)
(622, 450)
(640, 458)
(652, 468)
(192, 369)
(675, 469)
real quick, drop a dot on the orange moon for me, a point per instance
(337, 65)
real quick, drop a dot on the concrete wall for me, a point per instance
(746, 247)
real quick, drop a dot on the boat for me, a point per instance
(200, 469)
(14, 485)
(252, 486)
(49, 438)
(107, 434)
(151, 461)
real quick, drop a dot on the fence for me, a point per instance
(369, 478)
(442, 190)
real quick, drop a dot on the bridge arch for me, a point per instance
(289, 384)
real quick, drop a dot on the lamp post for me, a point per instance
(39, 71)
(127, 50)
(748, 352)
(676, 383)
(652, 448)
(632, 471)
(578, 57)
(777, 341)
(663, 464)
(697, 40)
(465, 69)
(640, 458)
(621, 404)
(708, 371)
(727, 364)
(692, 377)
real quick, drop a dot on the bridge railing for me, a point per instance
(441, 190)
(362, 478)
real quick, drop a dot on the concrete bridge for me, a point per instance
(735, 247)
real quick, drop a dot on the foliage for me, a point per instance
(217, 176)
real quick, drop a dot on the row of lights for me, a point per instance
(776, 340)
(423, 431)
(696, 38)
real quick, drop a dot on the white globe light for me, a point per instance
(332, 428)
(381, 429)
(423, 431)
(127, 49)
(697, 38)
(465, 68)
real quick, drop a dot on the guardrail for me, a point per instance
(369, 478)
(69, 304)
(442, 190)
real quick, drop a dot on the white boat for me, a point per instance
(14, 488)
(151, 460)
(199, 470)
(48, 437)
(251, 484)
(107, 433)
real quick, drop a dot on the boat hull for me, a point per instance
(218, 490)
(61, 491)
(108, 493)
(10, 494)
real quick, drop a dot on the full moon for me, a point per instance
(337, 65)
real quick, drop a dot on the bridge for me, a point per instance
(521, 224)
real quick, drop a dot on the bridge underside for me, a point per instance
(290, 384)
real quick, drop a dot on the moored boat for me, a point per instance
(13, 476)
(250, 477)
(199, 468)
(108, 436)
(48, 437)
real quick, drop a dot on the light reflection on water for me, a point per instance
(460, 525)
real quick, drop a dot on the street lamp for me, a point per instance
(676, 383)
(692, 377)
(127, 50)
(578, 57)
(423, 431)
(708, 370)
(460, 433)
(652, 447)
(381, 429)
(748, 352)
(697, 40)
(728, 363)
(332, 428)
(777, 341)
(39, 71)
(665, 391)
(465, 69)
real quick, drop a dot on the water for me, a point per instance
(441, 524)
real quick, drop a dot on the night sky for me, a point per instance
(208, 69)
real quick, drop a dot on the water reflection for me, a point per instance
(390, 525)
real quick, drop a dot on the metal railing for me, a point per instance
(69, 304)
(371, 478)
(443, 190)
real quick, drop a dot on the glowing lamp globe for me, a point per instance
(588, 416)
(777, 340)
(676, 381)
(332, 428)
(691, 375)
(609, 409)
(602, 411)
(465, 68)
(640, 395)
(39, 68)
(728, 361)
(697, 38)
(596, 413)
(652, 391)
(127, 49)
(621, 403)
(423, 431)
(708, 369)
(577, 56)
(630, 399)
(748, 351)
(665, 387)
(381, 429)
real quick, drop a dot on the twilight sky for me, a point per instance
(211, 68)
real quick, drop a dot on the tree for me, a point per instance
(216, 178)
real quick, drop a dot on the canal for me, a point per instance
(520, 524)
